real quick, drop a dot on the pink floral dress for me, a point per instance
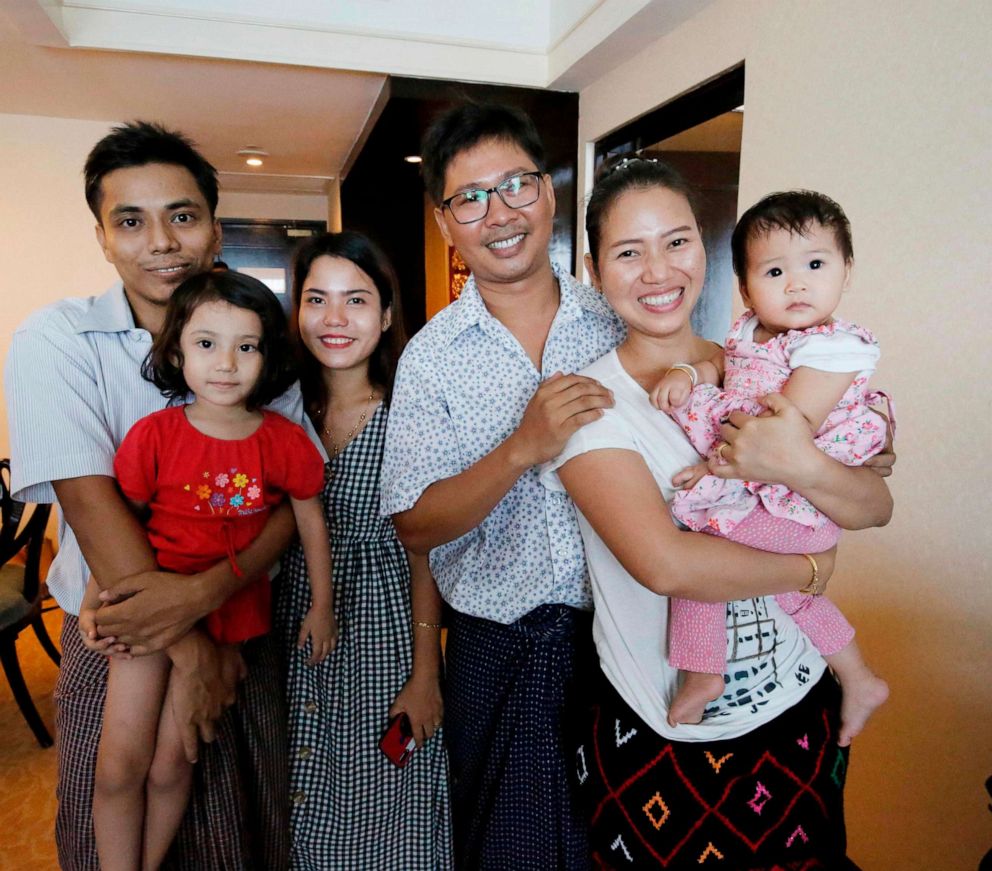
(851, 433)
(770, 516)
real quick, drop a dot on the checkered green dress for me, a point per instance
(350, 807)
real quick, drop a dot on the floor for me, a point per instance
(27, 773)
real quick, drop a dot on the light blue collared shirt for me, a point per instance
(74, 388)
(461, 389)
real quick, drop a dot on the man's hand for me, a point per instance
(203, 682)
(561, 405)
(150, 611)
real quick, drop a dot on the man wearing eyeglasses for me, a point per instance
(484, 394)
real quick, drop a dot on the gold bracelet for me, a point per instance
(424, 625)
(813, 587)
(688, 369)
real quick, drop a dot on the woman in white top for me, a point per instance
(759, 782)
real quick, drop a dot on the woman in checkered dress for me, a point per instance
(350, 807)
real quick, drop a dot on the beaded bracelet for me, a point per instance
(424, 625)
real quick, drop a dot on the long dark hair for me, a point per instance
(164, 364)
(367, 256)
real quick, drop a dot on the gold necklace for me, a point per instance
(335, 447)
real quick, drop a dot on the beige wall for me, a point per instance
(48, 244)
(47, 230)
(884, 106)
(265, 207)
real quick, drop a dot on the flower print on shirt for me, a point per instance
(235, 493)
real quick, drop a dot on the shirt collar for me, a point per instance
(110, 313)
(469, 310)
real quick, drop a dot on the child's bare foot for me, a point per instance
(862, 694)
(696, 691)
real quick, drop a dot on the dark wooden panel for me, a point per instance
(383, 196)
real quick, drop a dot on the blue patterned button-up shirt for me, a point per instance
(461, 389)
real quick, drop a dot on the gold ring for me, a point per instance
(719, 452)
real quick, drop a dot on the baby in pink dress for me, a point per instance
(793, 256)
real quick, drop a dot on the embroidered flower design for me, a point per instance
(237, 500)
(203, 491)
(221, 480)
(240, 480)
(217, 500)
(254, 492)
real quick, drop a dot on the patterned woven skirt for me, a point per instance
(770, 799)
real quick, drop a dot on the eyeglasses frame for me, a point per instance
(495, 189)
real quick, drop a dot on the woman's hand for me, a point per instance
(421, 700)
(776, 447)
(321, 627)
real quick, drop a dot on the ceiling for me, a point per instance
(302, 78)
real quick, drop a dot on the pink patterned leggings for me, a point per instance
(697, 632)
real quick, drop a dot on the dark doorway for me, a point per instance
(699, 133)
(383, 195)
(265, 249)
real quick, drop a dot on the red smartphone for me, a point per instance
(397, 742)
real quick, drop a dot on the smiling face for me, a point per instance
(508, 245)
(156, 229)
(340, 316)
(794, 281)
(221, 358)
(651, 263)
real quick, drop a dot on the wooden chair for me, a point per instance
(21, 593)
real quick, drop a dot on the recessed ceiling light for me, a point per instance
(413, 158)
(253, 155)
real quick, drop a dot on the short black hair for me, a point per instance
(138, 143)
(164, 364)
(621, 174)
(367, 256)
(465, 126)
(795, 211)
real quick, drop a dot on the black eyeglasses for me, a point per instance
(517, 191)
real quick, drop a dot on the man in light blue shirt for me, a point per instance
(73, 383)
(484, 394)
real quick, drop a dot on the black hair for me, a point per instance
(621, 174)
(138, 143)
(795, 211)
(164, 364)
(464, 127)
(367, 256)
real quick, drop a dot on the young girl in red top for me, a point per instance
(203, 476)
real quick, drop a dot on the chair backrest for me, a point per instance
(17, 533)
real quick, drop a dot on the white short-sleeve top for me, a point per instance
(770, 663)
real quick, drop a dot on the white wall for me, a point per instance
(885, 106)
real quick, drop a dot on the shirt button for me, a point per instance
(304, 753)
(298, 797)
(310, 706)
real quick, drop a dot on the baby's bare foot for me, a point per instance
(861, 696)
(695, 693)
